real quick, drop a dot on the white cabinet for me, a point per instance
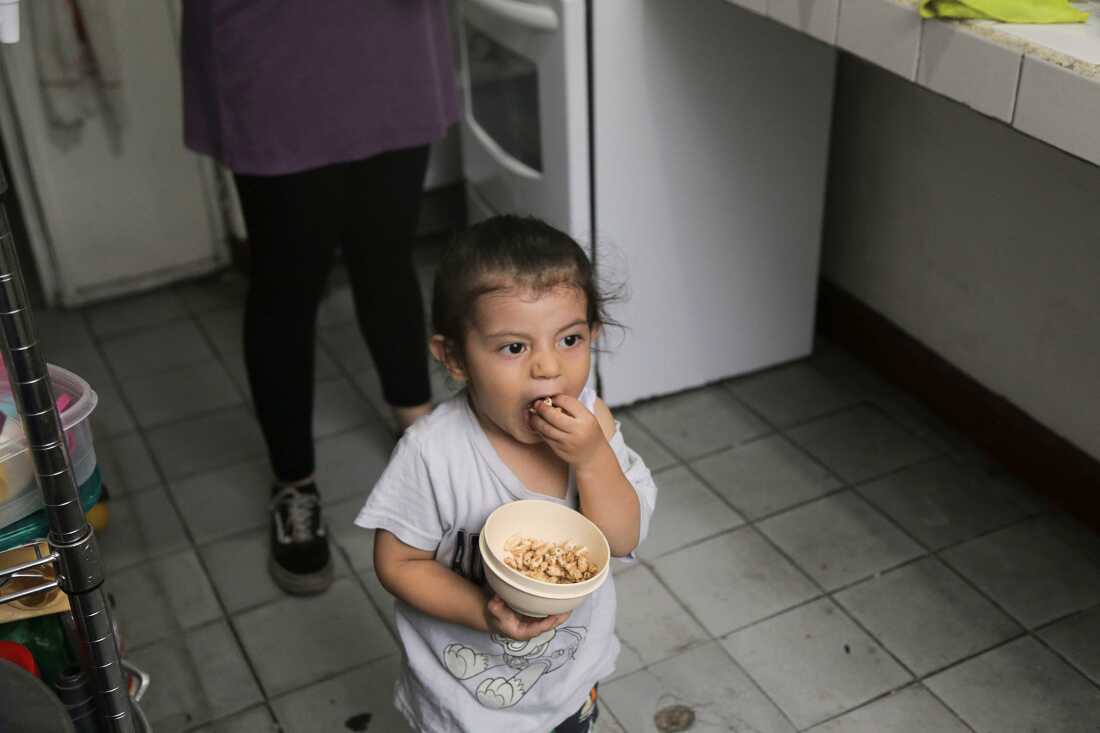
(711, 142)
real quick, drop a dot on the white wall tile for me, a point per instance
(818, 18)
(1059, 107)
(969, 69)
(882, 32)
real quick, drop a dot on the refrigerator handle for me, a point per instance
(535, 17)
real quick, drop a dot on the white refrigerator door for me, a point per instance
(711, 139)
(525, 86)
(116, 220)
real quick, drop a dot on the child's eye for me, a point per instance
(571, 340)
(513, 349)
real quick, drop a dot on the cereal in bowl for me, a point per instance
(551, 562)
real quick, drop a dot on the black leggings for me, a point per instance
(368, 209)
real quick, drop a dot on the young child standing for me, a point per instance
(516, 312)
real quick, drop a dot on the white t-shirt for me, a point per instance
(442, 482)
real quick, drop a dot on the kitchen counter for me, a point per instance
(1042, 80)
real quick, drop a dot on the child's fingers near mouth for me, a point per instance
(545, 426)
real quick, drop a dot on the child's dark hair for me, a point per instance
(510, 251)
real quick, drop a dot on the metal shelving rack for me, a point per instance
(72, 542)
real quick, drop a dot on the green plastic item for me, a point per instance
(44, 637)
(35, 527)
(1005, 11)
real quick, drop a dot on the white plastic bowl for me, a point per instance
(549, 522)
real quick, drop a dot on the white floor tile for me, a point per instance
(61, 330)
(337, 307)
(178, 394)
(703, 679)
(359, 700)
(125, 463)
(111, 416)
(860, 444)
(296, 641)
(161, 597)
(1030, 572)
(206, 443)
(942, 503)
(255, 720)
(651, 624)
(357, 543)
(337, 406)
(238, 569)
(733, 580)
(142, 526)
(656, 458)
(1078, 639)
(134, 312)
(346, 346)
(158, 349)
(218, 292)
(913, 710)
(765, 476)
(225, 501)
(927, 616)
(840, 539)
(815, 663)
(197, 677)
(791, 394)
(686, 511)
(348, 464)
(1019, 688)
(698, 422)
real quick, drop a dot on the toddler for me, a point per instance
(516, 312)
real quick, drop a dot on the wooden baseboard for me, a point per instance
(1048, 462)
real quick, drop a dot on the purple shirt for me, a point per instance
(281, 86)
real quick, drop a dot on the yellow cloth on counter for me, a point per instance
(1006, 11)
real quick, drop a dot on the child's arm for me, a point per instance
(415, 577)
(580, 438)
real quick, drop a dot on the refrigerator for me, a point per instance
(685, 144)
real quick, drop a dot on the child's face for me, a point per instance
(522, 347)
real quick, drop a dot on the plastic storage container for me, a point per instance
(19, 494)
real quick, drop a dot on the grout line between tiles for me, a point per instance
(190, 537)
(749, 523)
(889, 693)
(845, 485)
(135, 330)
(711, 638)
(227, 717)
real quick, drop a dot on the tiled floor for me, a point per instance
(826, 556)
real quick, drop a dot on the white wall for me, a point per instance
(978, 241)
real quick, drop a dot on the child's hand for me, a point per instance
(572, 432)
(506, 622)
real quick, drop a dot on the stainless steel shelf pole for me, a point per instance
(80, 571)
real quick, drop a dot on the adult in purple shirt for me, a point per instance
(324, 112)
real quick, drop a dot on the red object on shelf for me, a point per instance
(18, 654)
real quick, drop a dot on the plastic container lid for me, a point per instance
(83, 400)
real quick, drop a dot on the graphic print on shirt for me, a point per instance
(501, 680)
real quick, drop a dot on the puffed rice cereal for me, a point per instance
(552, 562)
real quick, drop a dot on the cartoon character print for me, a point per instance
(501, 680)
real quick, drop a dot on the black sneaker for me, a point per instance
(300, 561)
